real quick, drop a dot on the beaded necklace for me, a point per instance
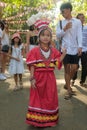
(48, 59)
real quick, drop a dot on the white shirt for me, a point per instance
(71, 38)
(46, 54)
(84, 39)
(5, 39)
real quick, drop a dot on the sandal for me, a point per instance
(65, 87)
(21, 85)
(16, 88)
(72, 83)
(68, 96)
(83, 85)
(73, 93)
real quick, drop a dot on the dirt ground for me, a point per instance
(13, 105)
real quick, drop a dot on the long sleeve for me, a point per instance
(59, 32)
(72, 37)
(79, 34)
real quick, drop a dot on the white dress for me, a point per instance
(16, 67)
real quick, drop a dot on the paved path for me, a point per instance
(13, 106)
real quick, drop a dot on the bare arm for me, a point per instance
(10, 56)
(27, 41)
(32, 78)
(63, 54)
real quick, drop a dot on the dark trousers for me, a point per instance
(84, 66)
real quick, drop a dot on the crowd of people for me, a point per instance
(42, 56)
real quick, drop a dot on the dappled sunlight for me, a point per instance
(81, 92)
(60, 81)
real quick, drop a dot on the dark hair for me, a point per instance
(42, 32)
(2, 25)
(12, 42)
(66, 5)
(31, 28)
(79, 14)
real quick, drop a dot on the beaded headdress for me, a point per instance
(40, 20)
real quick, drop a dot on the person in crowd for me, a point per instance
(43, 109)
(84, 50)
(82, 18)
(31, 38)
(71, 34)
(16, 66)
(2, 77)
(5, 47)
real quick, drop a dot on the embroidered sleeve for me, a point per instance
(31, 58)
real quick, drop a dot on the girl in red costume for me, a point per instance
(43, 109)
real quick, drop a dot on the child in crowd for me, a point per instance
(43, 109)
(16, 67)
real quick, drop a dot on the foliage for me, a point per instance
(19, 10)
(79, 6)
(15, 6)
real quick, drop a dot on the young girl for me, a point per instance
(43, 104)
(16, 68)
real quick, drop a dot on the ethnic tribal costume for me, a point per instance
(43, 107)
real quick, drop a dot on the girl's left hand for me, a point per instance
(17, 59)
(33, 83)
(64, 51)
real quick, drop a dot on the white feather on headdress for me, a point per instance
(40, 18)
(31, 20)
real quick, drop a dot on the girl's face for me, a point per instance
(16, 39)
(45, 37)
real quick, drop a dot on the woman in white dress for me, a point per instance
(16, 67)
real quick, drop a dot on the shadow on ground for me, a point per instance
(13, 106)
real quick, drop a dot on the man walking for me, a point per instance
(71, 34)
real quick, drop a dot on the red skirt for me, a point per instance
(43, 103)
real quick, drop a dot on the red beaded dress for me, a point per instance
(43, 109)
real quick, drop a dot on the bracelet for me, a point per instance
(32, 78)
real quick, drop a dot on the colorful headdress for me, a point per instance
(40, 20)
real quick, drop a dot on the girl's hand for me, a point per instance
(64, 51)
(79, 51)
(63, 54)
(17, 59)
(33, 83)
